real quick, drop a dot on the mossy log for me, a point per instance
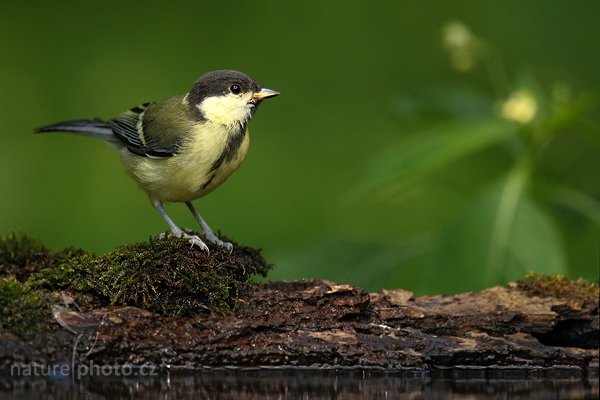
(162, 303)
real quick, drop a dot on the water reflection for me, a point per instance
(301, 384)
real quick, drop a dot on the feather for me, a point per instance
(142, 135)
(86, 127)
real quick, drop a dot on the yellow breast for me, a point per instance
(195, 170)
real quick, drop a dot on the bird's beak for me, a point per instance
(264, 93)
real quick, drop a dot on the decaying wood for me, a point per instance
(318, 323)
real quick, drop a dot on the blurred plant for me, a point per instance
(525, 152)
(461, 44)
(520, 107)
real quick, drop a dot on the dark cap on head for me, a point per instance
(218, 83)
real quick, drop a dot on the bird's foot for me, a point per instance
(193, 239)
(211, 237)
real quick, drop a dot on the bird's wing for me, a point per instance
(143, 132)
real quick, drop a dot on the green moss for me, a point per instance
(165, 276)
(559, 286)
(19, 249)
(17, 252)
(22, 310)
(21, 255)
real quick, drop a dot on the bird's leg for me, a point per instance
(193, 239)
(206, 229)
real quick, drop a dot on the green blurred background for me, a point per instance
(391, 159)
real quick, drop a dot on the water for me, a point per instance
(307, 384)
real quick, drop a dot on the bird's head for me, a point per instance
(227, 97)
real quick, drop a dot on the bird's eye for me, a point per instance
(235, 89)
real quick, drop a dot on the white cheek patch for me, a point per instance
(228, 109)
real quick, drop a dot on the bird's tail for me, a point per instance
(86, 127)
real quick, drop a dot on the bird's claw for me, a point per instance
(227, 245)
(214, 239)
(194, 240)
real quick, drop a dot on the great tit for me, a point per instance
(181, 148)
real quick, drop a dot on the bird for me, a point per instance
(181, 148)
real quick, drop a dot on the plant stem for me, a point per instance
(511, 196)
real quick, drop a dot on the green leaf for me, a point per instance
(505, 216)
(497, 238)
(368, 264)
(458, 102)
(577, 201)
(566, 112)
(425, 151)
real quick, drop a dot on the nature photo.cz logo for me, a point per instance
(79, 366)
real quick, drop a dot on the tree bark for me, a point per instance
(529, 325)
